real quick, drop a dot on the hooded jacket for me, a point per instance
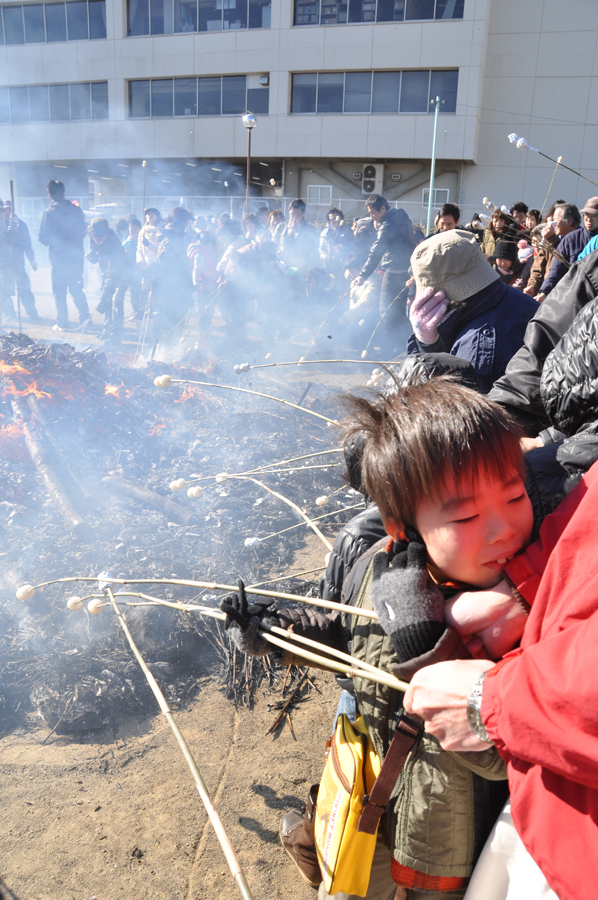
(392, 249)
(486, 329)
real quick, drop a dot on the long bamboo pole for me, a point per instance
(27, 591)
(230, 387)
(231, 857)
(290, 503)
(288, 640)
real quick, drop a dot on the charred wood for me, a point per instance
(174, 511)
(34, 439)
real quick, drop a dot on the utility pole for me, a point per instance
(249, 121)
(433, 167)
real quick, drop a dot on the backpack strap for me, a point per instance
(409, 731)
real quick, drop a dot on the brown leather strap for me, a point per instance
(409, 730)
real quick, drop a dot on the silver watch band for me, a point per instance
(474, 711)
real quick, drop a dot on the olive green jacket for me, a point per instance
(444, 804)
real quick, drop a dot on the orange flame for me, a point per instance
(157, 428)
(190, 392)
(10, 369)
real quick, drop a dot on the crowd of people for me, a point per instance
(268, 268)
(477, 462)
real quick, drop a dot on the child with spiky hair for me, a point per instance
(445, 467)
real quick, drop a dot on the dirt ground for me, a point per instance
(118, 816)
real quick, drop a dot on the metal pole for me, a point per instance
(13, 213)
(433, 167)
(143, 166)
(248, 170)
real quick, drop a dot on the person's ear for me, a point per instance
(395, 529)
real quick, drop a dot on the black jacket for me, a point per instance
(62, 230)
(19, 241)
(352, 541)
(392, 249)
(110, 255)
(519, 388)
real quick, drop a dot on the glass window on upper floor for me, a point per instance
(191, 16)
(336, 12)
(79, 102)
(221, 95)
(40, 23)
(408, 91)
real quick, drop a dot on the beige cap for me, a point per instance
(452, 262)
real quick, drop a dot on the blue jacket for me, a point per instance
(589, 247)
(487, 330)
(570, 247)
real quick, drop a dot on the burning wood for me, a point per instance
(173, 511)
(34, 440)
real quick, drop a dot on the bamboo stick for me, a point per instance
(294, 506)
(231, 857)
(350, 665)
(315, 362)
(230, 387)
(209, 585)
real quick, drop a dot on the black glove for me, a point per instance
(243, 621)
(410, 606)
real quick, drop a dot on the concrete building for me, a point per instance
(90, 88)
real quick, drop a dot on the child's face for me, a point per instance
(471, 531)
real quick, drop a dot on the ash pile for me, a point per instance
(88, 452)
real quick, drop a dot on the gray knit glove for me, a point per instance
(409, 605)
(243, 621)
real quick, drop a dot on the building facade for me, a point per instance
(344, 94)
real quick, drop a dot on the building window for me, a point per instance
(80, 102)
(374, 92)
(319, 194)
(41, 23)
(439, 197)
(226, 95)
(325, 12)
(191, 16)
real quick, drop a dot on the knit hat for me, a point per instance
(505, 250)
(524, 251)
(452, 262)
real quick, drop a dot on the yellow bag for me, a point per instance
(352, 766)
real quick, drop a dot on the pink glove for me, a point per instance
(426, 312)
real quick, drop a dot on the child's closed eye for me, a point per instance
(465, 521)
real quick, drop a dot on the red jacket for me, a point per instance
(540, 704)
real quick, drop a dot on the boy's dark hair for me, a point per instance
(55, 189)
(421, 434)
(450, 209)
(297, 204)
(520, 207)
(376, 201)
(134, 222)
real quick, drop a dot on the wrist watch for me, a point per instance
(474, 711)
